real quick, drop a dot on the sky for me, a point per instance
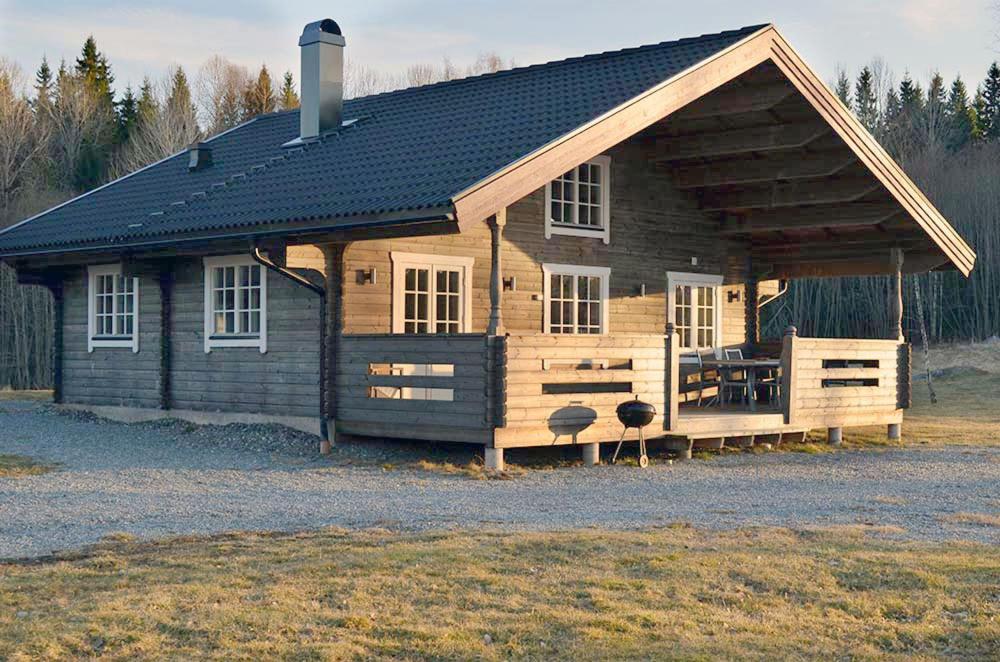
(953, 36)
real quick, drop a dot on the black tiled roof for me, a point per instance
(409, 151)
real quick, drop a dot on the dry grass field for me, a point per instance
(13, 466)
(665, 593)
(659, 594)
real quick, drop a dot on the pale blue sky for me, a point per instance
(956, 36)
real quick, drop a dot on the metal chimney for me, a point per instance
(322, 78)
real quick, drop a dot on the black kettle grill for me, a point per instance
(635, 414)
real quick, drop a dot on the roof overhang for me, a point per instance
(878, 175)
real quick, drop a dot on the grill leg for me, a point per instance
(614, 458)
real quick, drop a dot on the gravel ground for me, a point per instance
(172, 478)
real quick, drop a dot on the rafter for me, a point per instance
(740, 141)
(856, 265)
(786, 167)
(793, 194)
(736, 100)
(856, 214)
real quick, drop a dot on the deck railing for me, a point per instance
(565, 389)
(832, 382)
(439, 388)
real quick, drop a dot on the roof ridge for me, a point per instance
(554, 63)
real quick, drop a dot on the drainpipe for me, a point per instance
(298, 279)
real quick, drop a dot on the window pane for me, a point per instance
(230, 322)
(244, 276)
(255, 275)
(423, 277)
(411, 279)
(254, 322)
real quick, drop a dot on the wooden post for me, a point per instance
(896, 259)
(788, 374)
(673, 379)
(333, 330)
(497, 223)
(59, 316)
(751, 294)
(166, 278)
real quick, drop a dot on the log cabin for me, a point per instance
(498, 260)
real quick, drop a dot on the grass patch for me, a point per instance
(35, 396)
(979, 519)
(474, 469)
(16, 466)
(660, 594)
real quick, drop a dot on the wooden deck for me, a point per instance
(543, 390)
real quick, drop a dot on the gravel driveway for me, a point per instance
(171, 478)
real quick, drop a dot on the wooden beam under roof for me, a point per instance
(792, 194)
(736, 100)
(785, 166)
(790, 249)
(868, 265)
(740, 141)
(855, 214)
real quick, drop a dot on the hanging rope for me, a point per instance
(923, 339)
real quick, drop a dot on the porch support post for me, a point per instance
(751, 294)
(896, 318)
(497, 224)
(166, 279)
(494, 459)
(59, 318)
(333, 328)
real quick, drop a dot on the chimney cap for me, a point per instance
(325, 31)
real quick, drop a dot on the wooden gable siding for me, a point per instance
(282, 382)
(654, 229)
(112, 376)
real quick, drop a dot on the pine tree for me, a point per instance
(865, 103)
(128, 115)
(979, 116)
(147, 107)
(179, 106)
(289, 99)
(934, 122)
(93, 67)
(990, 119)
(43, 85)
(843, 87)
(259, 95)
(960, 116)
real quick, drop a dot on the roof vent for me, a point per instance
(322, 78)
(199, 156)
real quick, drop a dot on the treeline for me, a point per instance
(947, 138)
(66, 130)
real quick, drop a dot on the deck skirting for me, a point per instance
(143, 414)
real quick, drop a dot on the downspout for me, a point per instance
(298, 279)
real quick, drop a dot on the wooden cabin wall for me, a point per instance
(282, 382)
(111, 376)
(654, 229)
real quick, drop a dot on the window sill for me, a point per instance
(115, 342)
(577, 231)
(218, 342)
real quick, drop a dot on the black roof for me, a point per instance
(406, 153)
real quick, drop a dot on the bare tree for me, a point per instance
(22, 140)
(218, 92)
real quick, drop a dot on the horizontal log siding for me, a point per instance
(282, 382)
(467, 418)
(813, 405)
(112, 376)
(534, 418)
(654, 229)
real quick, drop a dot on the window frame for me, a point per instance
(550, 269)
(403, 260)
(603, 163)
(216, 341)
(94, 341)
(681, 278)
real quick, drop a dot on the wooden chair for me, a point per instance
(734, 379)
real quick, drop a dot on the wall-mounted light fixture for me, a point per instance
(733, 295)
(368, 276)
(641, 290)
(510, 284)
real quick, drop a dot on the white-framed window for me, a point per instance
(112, 308)
(694, 304)
(431, 293)
(235, 303)
(578, 202)
(576, 299)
